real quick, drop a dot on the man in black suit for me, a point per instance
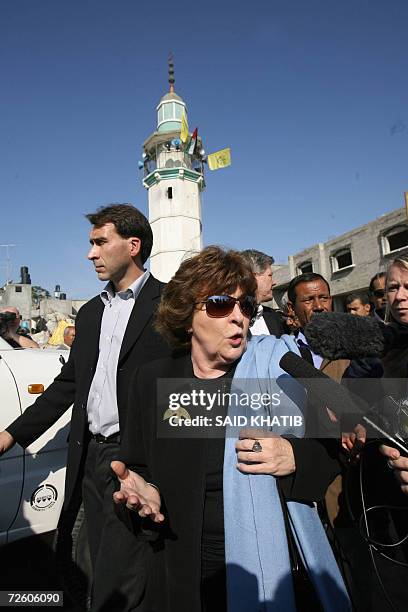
(268, 320)
(114, 335)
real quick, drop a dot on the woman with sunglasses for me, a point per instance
(215, 493)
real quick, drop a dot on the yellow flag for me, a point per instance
(184, 127)
(219, 159)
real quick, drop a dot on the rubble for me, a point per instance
(51, 328)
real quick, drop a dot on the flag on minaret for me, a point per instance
(192, 143)
(219, 159)
(184, 127)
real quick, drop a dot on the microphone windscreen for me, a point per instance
(336, 335)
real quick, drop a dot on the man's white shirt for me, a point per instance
(259, 327)
(102, 406)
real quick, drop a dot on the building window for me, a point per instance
(167, 112)
(305, 267)
(179, 111)
(395, 239)
(341, 260)
(18, 289)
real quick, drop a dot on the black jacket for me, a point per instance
(177, 466)
(273, 321)
(140, 344)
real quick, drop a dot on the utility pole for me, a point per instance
(8, 261)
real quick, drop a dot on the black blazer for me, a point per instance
(273, 321)
(140, 344)
(177, 466)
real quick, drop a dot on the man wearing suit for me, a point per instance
(114, 335)
(267, 320)
(309, 294)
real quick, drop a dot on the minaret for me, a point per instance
(174, 179)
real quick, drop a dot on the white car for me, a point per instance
(31, 480)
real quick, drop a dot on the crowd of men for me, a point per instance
(114, 335)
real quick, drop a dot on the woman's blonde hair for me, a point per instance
(401, 262)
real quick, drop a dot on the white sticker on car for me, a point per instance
(44, 497)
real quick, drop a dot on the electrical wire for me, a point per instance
(375, 542)
(372, 547)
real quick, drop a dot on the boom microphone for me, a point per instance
(347, 407)
(323, 388)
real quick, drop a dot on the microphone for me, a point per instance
(336, 335)
(325, 392)
(324, 389)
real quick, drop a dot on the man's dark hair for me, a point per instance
(376, 277)
(307, 277)
(257, 260)
(128, 222)
(357, 295)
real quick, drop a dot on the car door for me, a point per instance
(44, 461)
(12, 463)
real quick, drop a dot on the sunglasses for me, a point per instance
(219, 306)
(379, 293)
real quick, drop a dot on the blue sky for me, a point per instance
(311, 96)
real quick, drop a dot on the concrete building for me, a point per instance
(48, 306)
(21, 296)
(349, 261)
(174, 177)
(18, 295)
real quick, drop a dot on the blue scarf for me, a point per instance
(256, 549)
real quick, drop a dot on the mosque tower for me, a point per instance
(174, 178)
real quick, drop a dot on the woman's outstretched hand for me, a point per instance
(136, 493)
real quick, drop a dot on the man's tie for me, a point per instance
(305, 351)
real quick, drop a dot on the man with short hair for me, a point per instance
(69, 335)
(13, 335)
(267, 320)
(309, 294)
(358, 304)
(68, 339)
(377, 292)
(114, 335)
